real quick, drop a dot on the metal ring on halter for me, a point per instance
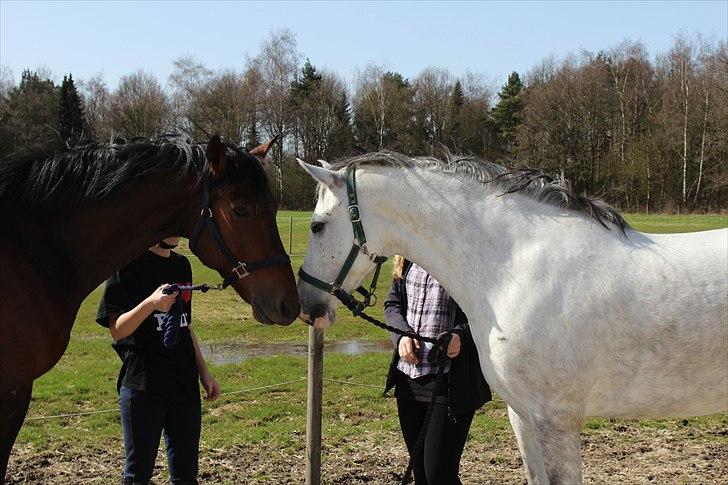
(206, 213)
(365, 250)
(237, 272)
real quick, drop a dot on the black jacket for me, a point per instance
(467, 388)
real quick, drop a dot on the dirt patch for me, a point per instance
(621, 454)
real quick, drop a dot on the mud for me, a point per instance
(622, 454)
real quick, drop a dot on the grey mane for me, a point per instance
(532, 183)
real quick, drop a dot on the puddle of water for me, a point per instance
(235, 352)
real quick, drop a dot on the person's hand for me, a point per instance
(212, 388)
(407, 348)
(453, 348)
(160, 301)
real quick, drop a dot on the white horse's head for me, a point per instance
(329, 244)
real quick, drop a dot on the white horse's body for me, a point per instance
(570, 319)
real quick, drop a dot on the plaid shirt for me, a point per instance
(430, 312)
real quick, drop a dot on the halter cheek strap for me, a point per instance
(359, 245)
(239, 269)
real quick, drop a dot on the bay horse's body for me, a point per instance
(71, 220)
(574, 313)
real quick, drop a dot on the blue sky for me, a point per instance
(493, 38)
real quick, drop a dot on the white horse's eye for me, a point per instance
(316, 227)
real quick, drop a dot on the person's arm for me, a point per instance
(211, 386)
(460, 332)
(125, 324)
(394, 316)
(394, 311)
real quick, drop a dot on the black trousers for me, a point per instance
(145, 416)
(439, 461)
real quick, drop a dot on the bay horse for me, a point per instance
(573, 312)
(71, 219)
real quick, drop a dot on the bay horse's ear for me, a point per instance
(216, 155)
(262, 150)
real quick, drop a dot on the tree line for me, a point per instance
(644, 134)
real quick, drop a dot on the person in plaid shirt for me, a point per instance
(417, 302)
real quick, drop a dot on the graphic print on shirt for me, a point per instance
(184, 319)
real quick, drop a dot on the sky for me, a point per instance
(492, 38)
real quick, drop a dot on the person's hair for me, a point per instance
(398, 267)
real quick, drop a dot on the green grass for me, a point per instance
(676, 223)
(85, 378)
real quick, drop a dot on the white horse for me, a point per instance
(574, 313)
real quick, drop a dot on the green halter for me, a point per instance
(359, 245)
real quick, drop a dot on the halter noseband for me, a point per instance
(359, 245)
(239, 269)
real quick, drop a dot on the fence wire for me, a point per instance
(230, 393)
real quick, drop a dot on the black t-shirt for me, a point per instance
(147, 364)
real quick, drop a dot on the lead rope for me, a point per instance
(172, 320)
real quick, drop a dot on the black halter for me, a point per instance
(359, 245)
(239, 269)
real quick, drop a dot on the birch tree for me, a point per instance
(277, 64)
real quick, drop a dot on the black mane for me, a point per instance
(94, 172)
(535, 184)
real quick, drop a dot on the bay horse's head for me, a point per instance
(237, 235)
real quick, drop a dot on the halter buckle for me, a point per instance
(354, 213)
(240, 267)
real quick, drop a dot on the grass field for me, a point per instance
(269, 424)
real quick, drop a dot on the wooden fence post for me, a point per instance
(290, 235)
(313, 407)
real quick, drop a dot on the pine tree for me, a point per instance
(342, 140)
(252, 136)
(73, 126)
(506, 116)
(457, 100)
(303, 86)
(32, 114)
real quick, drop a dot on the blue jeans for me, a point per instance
(144, 417)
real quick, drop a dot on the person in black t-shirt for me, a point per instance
(158, 390)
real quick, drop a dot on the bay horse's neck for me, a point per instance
(95, 240)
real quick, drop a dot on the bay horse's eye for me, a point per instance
(316, 226)
(241, 212)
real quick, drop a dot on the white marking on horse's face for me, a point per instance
(328, 249)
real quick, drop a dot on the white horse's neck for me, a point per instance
(459, 230)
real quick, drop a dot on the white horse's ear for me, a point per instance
(322, 175)
(325, 164)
